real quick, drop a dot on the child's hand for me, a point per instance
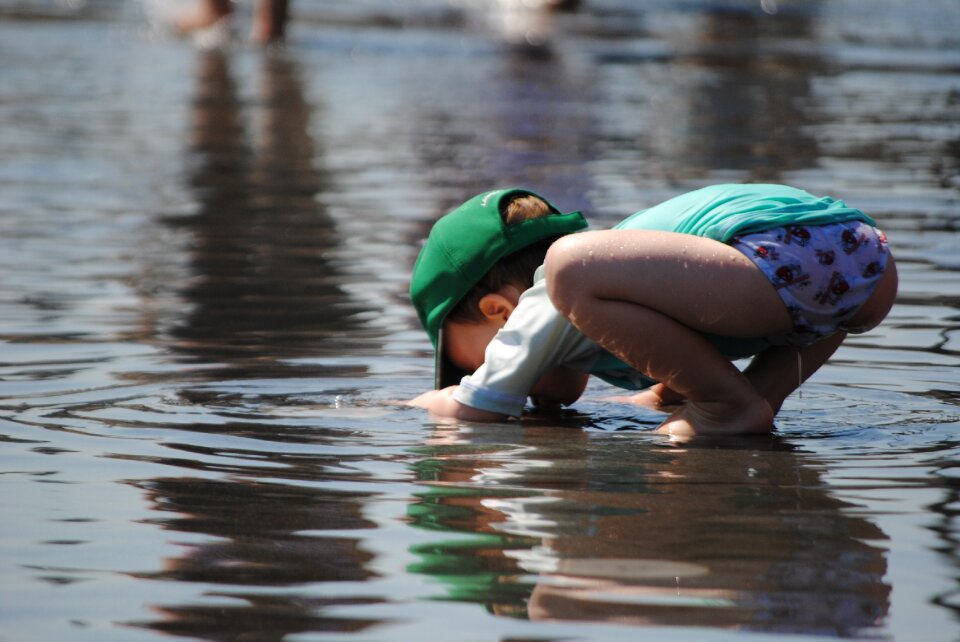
(442, 404)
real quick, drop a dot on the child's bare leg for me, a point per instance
(719, 398)
(777, 371)
(647, 296)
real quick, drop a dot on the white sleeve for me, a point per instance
(534, 339)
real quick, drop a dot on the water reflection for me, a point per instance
(253, 537)
(592, 528)
(528, 120)
(264, 285)
(743, 103)
(263, 289)
(748, 112)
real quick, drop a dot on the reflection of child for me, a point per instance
(662, 301)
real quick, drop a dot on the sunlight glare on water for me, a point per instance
(204, 326)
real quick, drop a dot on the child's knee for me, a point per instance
(563, 265)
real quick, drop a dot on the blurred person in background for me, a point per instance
(210, 17)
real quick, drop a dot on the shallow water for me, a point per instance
(204, 321)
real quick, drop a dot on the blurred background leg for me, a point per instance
(270, 21)
(204, 14)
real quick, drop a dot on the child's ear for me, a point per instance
(496, 306)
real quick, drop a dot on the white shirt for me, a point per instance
(535, 338)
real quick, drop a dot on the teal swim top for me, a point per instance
(720, 212)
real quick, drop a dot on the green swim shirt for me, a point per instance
(720, 212)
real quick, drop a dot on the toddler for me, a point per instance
(517, 305)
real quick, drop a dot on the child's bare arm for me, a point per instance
(442, 404)
(559, 386)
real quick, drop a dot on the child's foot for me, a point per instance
(658, 397)
(719, 419)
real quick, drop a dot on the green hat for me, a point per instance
(462, 247)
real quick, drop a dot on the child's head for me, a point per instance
(493, 242)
